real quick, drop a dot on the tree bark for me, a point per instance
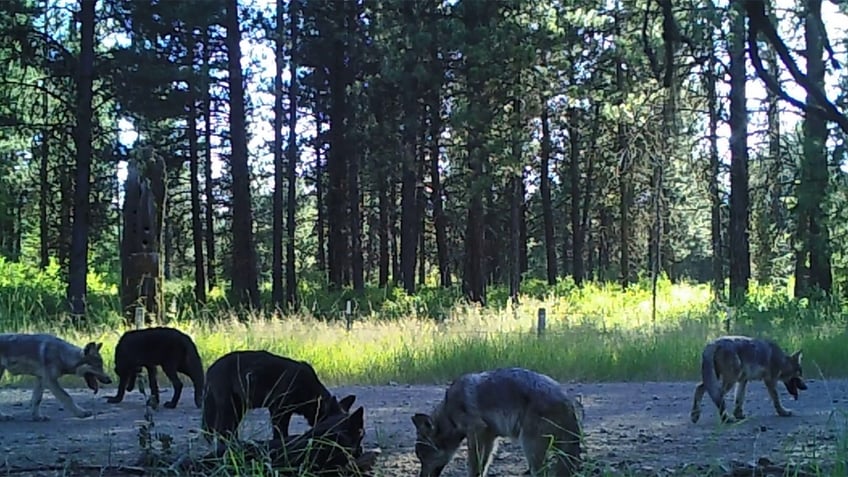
(196, 219)
(78, 266)
(577, 232)
(277, 290)
(337, 170)
(208, 190)
(545, 189)
(740, 261)
(713, 173)
(245, 286)
(291, 203)
(812, 190)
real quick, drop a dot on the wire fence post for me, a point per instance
(139, 317)
(348, 316)
(540, 323)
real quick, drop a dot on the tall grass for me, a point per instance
(594, 333)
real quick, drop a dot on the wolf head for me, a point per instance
(436, 442)
(792, 375)
(90, 367)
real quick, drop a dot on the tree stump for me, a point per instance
(143, 213)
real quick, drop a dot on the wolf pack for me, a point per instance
(478, 408)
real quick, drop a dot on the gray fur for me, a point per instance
(47, 358)
(735, 360)
(508, 402)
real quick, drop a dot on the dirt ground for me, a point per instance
(632, 427)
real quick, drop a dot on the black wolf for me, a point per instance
(244, 380)
(160, 346)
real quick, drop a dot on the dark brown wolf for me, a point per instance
(169, 348)
(730, 360)
(244, 380)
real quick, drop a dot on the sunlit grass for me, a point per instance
(598, 333)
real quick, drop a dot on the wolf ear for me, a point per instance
(423, 423)
(98, 346)
(796, 356)
(347, 402)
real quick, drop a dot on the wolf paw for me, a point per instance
(82, 414)
(170, 405)
(695, 415)
(784, 413)
(739, 415)
(40, 418)
(113, 400)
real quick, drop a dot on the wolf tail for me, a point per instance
(708, 374)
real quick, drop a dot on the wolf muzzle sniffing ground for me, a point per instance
(47, 358)
(244, 380)
(509, 402)
(735, 360)
(148, 348)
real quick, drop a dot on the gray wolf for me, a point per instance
(48, 357)
(508, 402)
(730, 360)
(243, 380)
(159, 346)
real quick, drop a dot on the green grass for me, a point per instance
(597, 333)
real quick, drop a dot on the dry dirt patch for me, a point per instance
(643, 426)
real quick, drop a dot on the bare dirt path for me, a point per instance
(629, 426)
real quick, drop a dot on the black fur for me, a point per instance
(160, 346)
(244, 380)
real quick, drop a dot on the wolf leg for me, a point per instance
(35, 402)
(554, 440)
(481, 444)
(154, 386)
(739, 401)
(695, 413)
(122, 386)
(722, 407)
(66, 400)
(171, 371)
(3, 417)
(775, 398)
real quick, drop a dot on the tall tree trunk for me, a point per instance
(44, 196)
(355, 211)
(439, 219)
(712, 174)
(409, 213)
(277, 289)
(516, 202)
(66, 186)
(740, 261)
(522, 191)
(383, 227)
(291, 203)
(577, 232)
(812, 190)
(78, 266)
(545, 189)
(320, 220)
(207, 166)
(245, 286)
(337, 170)
(768, 200)
(194, 181)
(625, 188)
(394, 234)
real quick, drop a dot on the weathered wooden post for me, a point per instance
(143, 214)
